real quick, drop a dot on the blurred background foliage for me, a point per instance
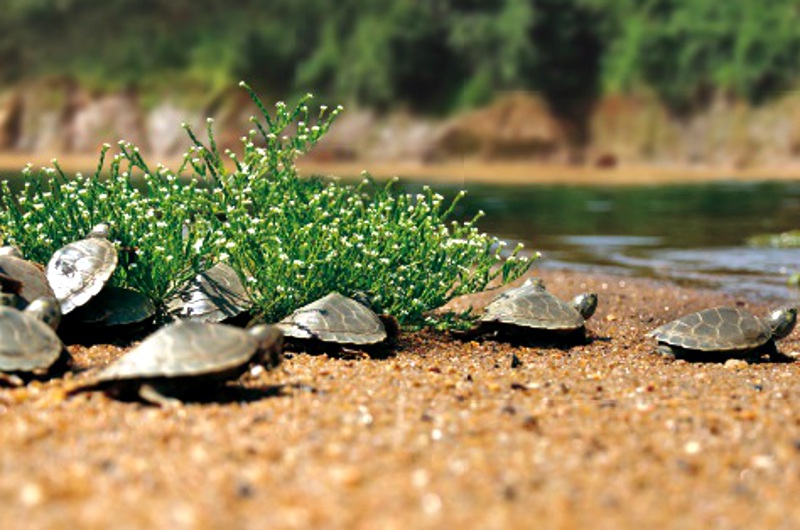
(434, 56)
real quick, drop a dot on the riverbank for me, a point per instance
(454, 173)
(441, 434)
(522, 173)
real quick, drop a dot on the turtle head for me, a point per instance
(270, 344)
(781, 321)
(46, 309)
(364, 298)
(10, 251)
(585, 304)
(101, 230)
(535, 282)
(9, 299)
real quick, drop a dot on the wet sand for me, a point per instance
(443, 434)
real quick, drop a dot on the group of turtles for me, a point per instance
(197, 348)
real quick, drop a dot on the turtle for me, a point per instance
(722, 333)
(531, 312)
(114, 315)
(214, 295)
(338, 321)
(24, 278)
(187, 356)
(30, 347)
(114, 306)
(80, 270)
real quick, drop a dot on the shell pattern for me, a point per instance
(532, 306)
(184, 349)
(80, 269)
(115, 306)
(335, 318)
(28, 344)
(212, 296)
(28, 279)
(715, 329)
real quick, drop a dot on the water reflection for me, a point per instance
(689, 233)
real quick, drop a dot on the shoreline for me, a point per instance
(511, 173)
(469, 172)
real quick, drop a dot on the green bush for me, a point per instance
(291, 239)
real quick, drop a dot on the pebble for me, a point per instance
(735, 364)
(31, 494)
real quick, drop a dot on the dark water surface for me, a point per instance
(695, 234)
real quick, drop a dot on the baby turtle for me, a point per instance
(80, 269)
(24, 278)
(531, 312)
(722, 333)
(337, 320)
(114, 306)
(187, 356)
(29, 346)
(212, 296)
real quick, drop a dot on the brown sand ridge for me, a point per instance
(470, 171)
(442, 434)
(519, 173)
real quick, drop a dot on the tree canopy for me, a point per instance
(431, 56)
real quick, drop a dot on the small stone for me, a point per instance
(762, 462)
(692, 448)
(347, 476)
(735, 364)
(431, 503)
(508, 409)
(531, 423)
(31, 494)
(244, 490)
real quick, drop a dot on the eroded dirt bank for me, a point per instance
(444, 434)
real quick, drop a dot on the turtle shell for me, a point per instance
(115, 306)
(80, 270)
(186, 349)
(212, 296)
(715, 329)
(335, 318)
(532, 306)
(28, 345)
(24, 278)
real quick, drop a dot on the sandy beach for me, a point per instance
(440, 434)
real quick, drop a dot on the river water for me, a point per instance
(692, 234)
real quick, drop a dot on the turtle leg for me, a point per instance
(11, 380)
(150, 393)
(776, 356)
(469, 334)
(353, 353)
(666, 351)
